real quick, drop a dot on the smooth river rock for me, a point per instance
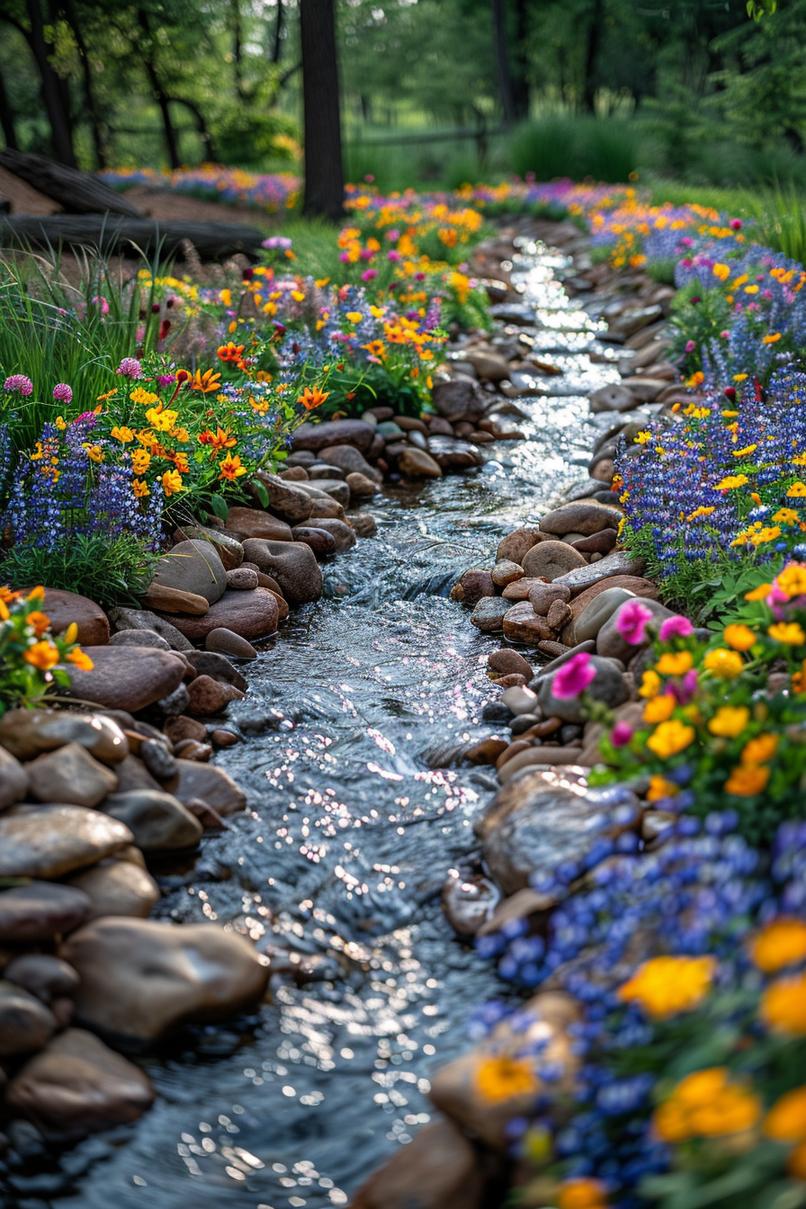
(25, 1022)
(50, 841)
(118, 887)
(38, 911)
(550, 559)
(248, 614)
(27, 733)
(13, 779)
(158, 821)
(584, 517)
(63, 608)
(437, 1170)
(292, 564)
(129, 677)
(71, 775)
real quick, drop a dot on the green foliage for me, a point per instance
(779, 221)
(112, 572)
(580, 147)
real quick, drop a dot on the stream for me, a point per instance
(356, 815)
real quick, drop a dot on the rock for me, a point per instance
(211, 663)
(242, 579)
(417, 464)
(324, 506)
(335, 488)
(519, 700)
(610, 643)
(13, 779)
(158, 821)
(582, 517)
(343, 534)
(228, 548)
(543, 595)
(506, 572)
(363, 523)
(617, 563)
(632, 583)
(490, 366)
(550, 559)
(141, 979)
(515, 545)
(70, 775)
(360, 485)
(458, 398)
(172, 600)
(488, 615)
(63, 608)
(210, 697)
(598, 543)
(27, 733)
(589, 622)
(321, 542)
(520, 589)
(143, 619)
(25, 1023)
(506, 660)
(486, 751)
(158, 759)
(559, 613)
(38, 911)
(189, 749)
(543, 755)
(195, 567)
(348, 459)
(468, 901)
(472, 587)
(201, 782)
(253, 522)
(287, 500)
(118, 887)
(316, 437)
(182, 727)
(452, 454)
(77, 1085)
(46, 977)
(248, 614)
(546, 1034)
(613, 397)
(133, 774)
(609, 687)
(140, 638)
(129, 677)
(522, 624)
(437, 1170)
(292, 564)
(49, 841)
(225, 642)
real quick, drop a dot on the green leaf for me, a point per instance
(219, 506)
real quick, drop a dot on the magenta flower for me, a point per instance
(684, 690)
(63, 393)
(736, 224)
(573, 677)
(130, 368)
(632, 621)
(621, 734)
(369, 274)
(691, 345)
(675, 627)
(164, 380)
(393, 254)
(19, 384)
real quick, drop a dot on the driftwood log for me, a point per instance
(75, 191)
(129, 236)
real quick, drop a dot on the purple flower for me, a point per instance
(280, 242)
(369, 274)
(63, 393)
(621, 734)
(573, 677)
(19, 384)
(675, 627)
(130, 368)
(164, 380)
(631, 622)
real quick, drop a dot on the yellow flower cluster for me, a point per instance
(707, 1104)
(664, 986)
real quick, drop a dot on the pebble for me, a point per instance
(488, 615)
(13, 779)
(158, 821)
(224, 642)
(506, 660)
(515, 545)
(543, 595)
(208, 697)
(522, 624)
(38, 911)
(25, 1022)
(242, 579)
(520, 700)
(506, 572)
(50, 841)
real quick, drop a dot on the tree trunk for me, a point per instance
(591, 57)
(201, 125)
(521, 93)
(75, 191)
(158, 92)
(277, 46)
(7, 118)
(324, 174)
(237, 50)
(97, 129)
(110, 233)
(501, 36)
(54, 90)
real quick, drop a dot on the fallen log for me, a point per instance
(130, 236)
(75, 191)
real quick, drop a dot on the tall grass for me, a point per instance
(577, 147)
(777, 215)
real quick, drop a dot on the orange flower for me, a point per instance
(747, 780)
(42, 655)
(39, 622)
(218, 440)
(171, 483)
(81, 660)
(140, 489)
(312, 397)
(231, 468)
(229, 352)
(206, 381)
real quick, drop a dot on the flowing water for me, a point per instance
(352, 827)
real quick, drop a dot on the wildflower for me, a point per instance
(759, 750)
(664, 986)
(229, 352)
(63, 393)
(747, 780)
(81, 660)
(797, 490)
(739, 637)
(501, 1078)
(729, 721)
(721, 271)
(790, 633)
(354, 316)
(759, 593)
(19, 384)
(573, 677)
(731, 482)
(786, 1120)
(642, 438)
(94, 452)
(143, 397)
(122, 434)
(206, 381)
(130, 368)
(724, 664)
(706, 1103)
(675, 627)
(171, 483)
(771, 338)
(140, 489)
(659, 709)
(312, 397)
(659, 789)
(582, 1194)
(219, 440)
(42, 655)
(675, 663)
(670, 738)
(631, 622)
(792, 580)
(141, 460)
(783, 1006)
(780, 943)
(230, 468)
(621, 734)
(651, 684)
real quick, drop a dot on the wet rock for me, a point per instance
(211, 663)
(175, 703)
(242, 579)
(438, 1170)
(77, 1085)
(520, 700)
(210, 697)
(39, 911)
(590, 621)
(223, 738)
(158, 821)
(489, 366)
(506, 660)
(486, 751)
(418, 464)
(452, 454)
(544, 755)
(455, 1088)
(515, 545)
(63, 608)
(139, 638)
(25, 1022)
(189, 749)
(183, 727)
(559, 613)
(610, 643)
(248, 614)
(608, 686)
(343, 534)
(292, 564)
(522, 624)
(468, 901)
(599, 543)
(141, 979)
(194, 567)
(253, 522)
(324, 506)
(316, 437)
(522, 724)
(617, 563)
(543, 595)
(613, 397)
(363, 523)
(360, 485)
(70, 775)
(334, 488)
(349, 460)
(202, 782)
(13, 779)
(632, 583)
(49, 841)
(27, 733)
(172, 600)
(472, 587)
(458, 398)
(228, 548)
(129, 677)
(225, 642)
(582, 517)
(550, 559)
(288, 501)
(488, 615)
(506, 572)
(520, 589)
(46, 977)
(321, 542)
(144, 619)
(118, 887)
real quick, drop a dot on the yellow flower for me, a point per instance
(783, 1006)
(641, 438)
(71, 633)
(354, 316)
(122, 434)
(721, 271)
(772, 338)
(675, 663)
(660, 788)
(670, 738)
(144, 397)
(42, 655)
(739, 637)
(140, 461)
(651, 684)
(707, 1103)
(161, 418)
(171, 483)
(729, 721)
(797, 490)
(724, 664)
(731, 482)
(786, 516)
(760, 749)
(140, 488)
(741, 453)
(230, 468)
(786, 1120)
(94, 452)
(747, 780)
(664, 986)
(500, 1078)
(787, 632)
(759, 593)
(582, 1194)
(792, 580)
(659, 709)
(780, 943)
(81, 660)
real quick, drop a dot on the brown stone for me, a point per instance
(292, 564)
(438, 1170)
(174, 600)
(13, 779)
(522, 624)
(70, 775)
(543, 595)
(118, 887)
(63, 608)
(29, 732)
(472, 586)
(252, 522)
(506, 572)
(515, 545)
(50, 841)
(128, 677)
(544, 754)
(39, 911)
(248, 614)
(520, 589)
(551, 559)
(506, 660)
(208, 784)
(209, 697)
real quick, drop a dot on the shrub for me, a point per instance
(33, 661)
(606, 149)
(112, 571)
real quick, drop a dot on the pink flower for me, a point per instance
(369, 274)
(573, 677)
(736, 224)
(393, 254)
(19, 384)
(675, 627)
(691, 345)
(684, 690)
(344, 257)
(130, 368)
(621, 734)
(631, 622)
(62, 393)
